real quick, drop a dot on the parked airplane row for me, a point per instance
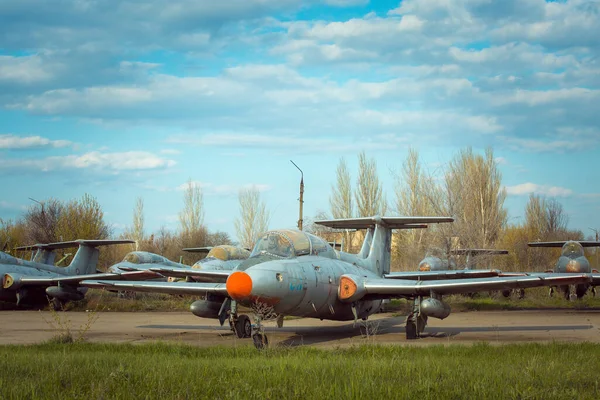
(289, 272)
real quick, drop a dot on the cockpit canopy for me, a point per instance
(142, 257)
(435, 252)
(226, 253)
(572, 249)
(290, 243)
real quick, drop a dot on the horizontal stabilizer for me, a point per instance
(198, 249)
(478, 252)
(583, 243)
(74, 243)
(389, 222)
(336, 245)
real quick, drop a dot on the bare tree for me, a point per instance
(138, 222)
(253, 219)
(556, 219)
(83, 219)
(42, 220)
(340, 200)
(369, 196)
(191, 218)
(475, 196)
(412, 190)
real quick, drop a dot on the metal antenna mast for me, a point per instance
(301, 195)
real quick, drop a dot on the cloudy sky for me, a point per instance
(132, 98)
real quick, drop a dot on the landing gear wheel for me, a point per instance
(260, 341)
(411, 330)
(57, 305)
(243, 327)
(506, 293)
(580, 291)
(521, 294)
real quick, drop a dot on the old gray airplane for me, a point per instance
(572, 260)
(33, 282)
(436, 260)
(218, 258)
(293, 273)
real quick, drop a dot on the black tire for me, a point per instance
(243, 327)
(260, 341)
(411, 330)
(506, 293)
(580, 290)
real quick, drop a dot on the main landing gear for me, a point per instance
(415, 322)
(241, 326)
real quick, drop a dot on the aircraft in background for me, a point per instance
(294, 273)
(34, 282)
(572, 260)
(436, 260)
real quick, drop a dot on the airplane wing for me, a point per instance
(354, 287)
(191, 288)
(199, 275)
(390, 222)
(449, 274)
(16, 281)
(583, 243)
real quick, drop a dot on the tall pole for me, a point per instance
(301, 195)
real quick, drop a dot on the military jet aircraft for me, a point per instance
(32, 282)
(435, 259)
(571, 260)
(294, 273)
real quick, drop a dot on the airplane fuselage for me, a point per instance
(572, 264)
(306, 287)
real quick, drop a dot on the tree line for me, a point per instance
(54, 220)
(469, 189)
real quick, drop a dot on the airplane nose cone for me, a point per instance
(424, 267)
(573, 266)
(239, 285)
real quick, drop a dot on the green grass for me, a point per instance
(95, 371)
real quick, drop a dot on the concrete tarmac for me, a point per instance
(27, 327)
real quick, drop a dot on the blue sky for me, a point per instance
(132, 98)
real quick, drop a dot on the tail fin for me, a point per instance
(84, 261)
(43, 254)
(377, 245)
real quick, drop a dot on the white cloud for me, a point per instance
(25, 69)
(549, 144)
(111, 162)
(13, 142)
(170, 151)
(547, 190)
(298, 144)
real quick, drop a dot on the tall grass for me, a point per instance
(94, 371)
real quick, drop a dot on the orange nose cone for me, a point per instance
(425, 267)
(573, 266)
(239, 285)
